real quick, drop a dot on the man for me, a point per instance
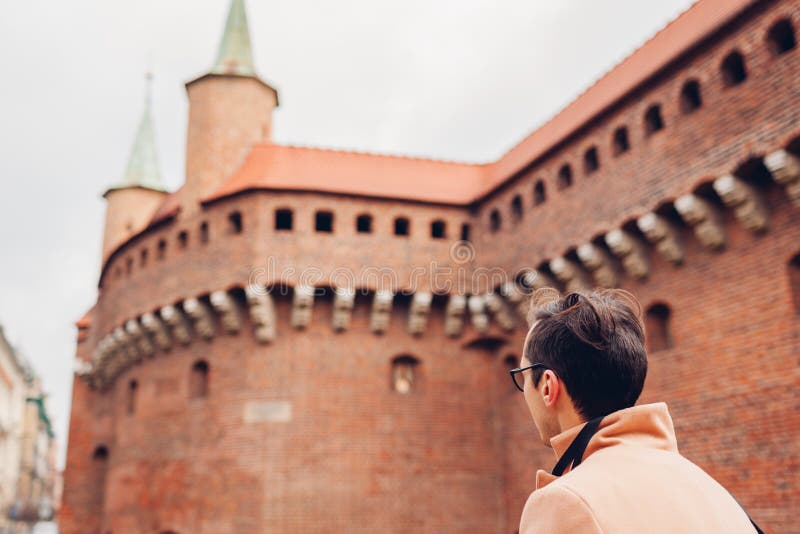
(619, 470)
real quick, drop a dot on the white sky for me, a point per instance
(453, 79)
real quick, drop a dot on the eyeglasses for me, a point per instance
(520, 382)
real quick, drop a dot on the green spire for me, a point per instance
(235, 54)
(142, 170)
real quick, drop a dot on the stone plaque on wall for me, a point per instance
(267, 412)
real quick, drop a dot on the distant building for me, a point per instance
(218, 390)
(28, 474)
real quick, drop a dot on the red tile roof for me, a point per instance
(308, 169)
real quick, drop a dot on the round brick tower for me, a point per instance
(306, 340)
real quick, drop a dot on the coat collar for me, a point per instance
(648, 425)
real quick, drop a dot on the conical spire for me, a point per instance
(142, 170)
(235, 53)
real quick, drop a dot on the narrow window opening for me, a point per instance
(539, 193)
(283, 219)
(620, 142)
(564, 177)
(204, 233)
(794, 282)
(364, 224)
(733, 69)
(657, 327)
(198, 382)
(323, 222)
(405, 374)
(129, 266)
(691, 99)
(516, 208)
(131, 404)
(143, 257)
(591, 161)
(183, 239)
(235, 220)
(401, 226)
(780, 38)
(100, 453)
(653, 122)
(438, 229)
(495, 222)
(465, 232)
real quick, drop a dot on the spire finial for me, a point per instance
(148, 88)
(235, 53)
(142, 169)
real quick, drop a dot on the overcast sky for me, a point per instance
(453, 79)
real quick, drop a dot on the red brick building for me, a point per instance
(293, 342)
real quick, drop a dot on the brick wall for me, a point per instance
(458, 453)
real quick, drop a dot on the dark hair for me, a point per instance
(594, 342)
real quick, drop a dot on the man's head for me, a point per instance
(592, 347)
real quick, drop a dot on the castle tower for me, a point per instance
(132, 202)
(230, 109)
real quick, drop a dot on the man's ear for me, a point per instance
(550, 388)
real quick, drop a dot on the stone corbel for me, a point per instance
(745, 201)
(704, 218)
(157, 330)
(536, 279)
(454, 315)
(302, 305)
(381, 311)
(630, 250)
(201, 315)
(418, 313)
(126, 349)
(663, 235)
(785, 169)
(517, 297)
(343, 302)
(178, 323)
(497, 306)
(477, 312)
(570, 274)
(262, 314)
(599, 263)
(228, 310)
(139, 337)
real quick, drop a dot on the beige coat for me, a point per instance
(631, 479)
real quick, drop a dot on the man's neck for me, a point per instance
(568, 419)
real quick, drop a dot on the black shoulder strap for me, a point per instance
(574, 453)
